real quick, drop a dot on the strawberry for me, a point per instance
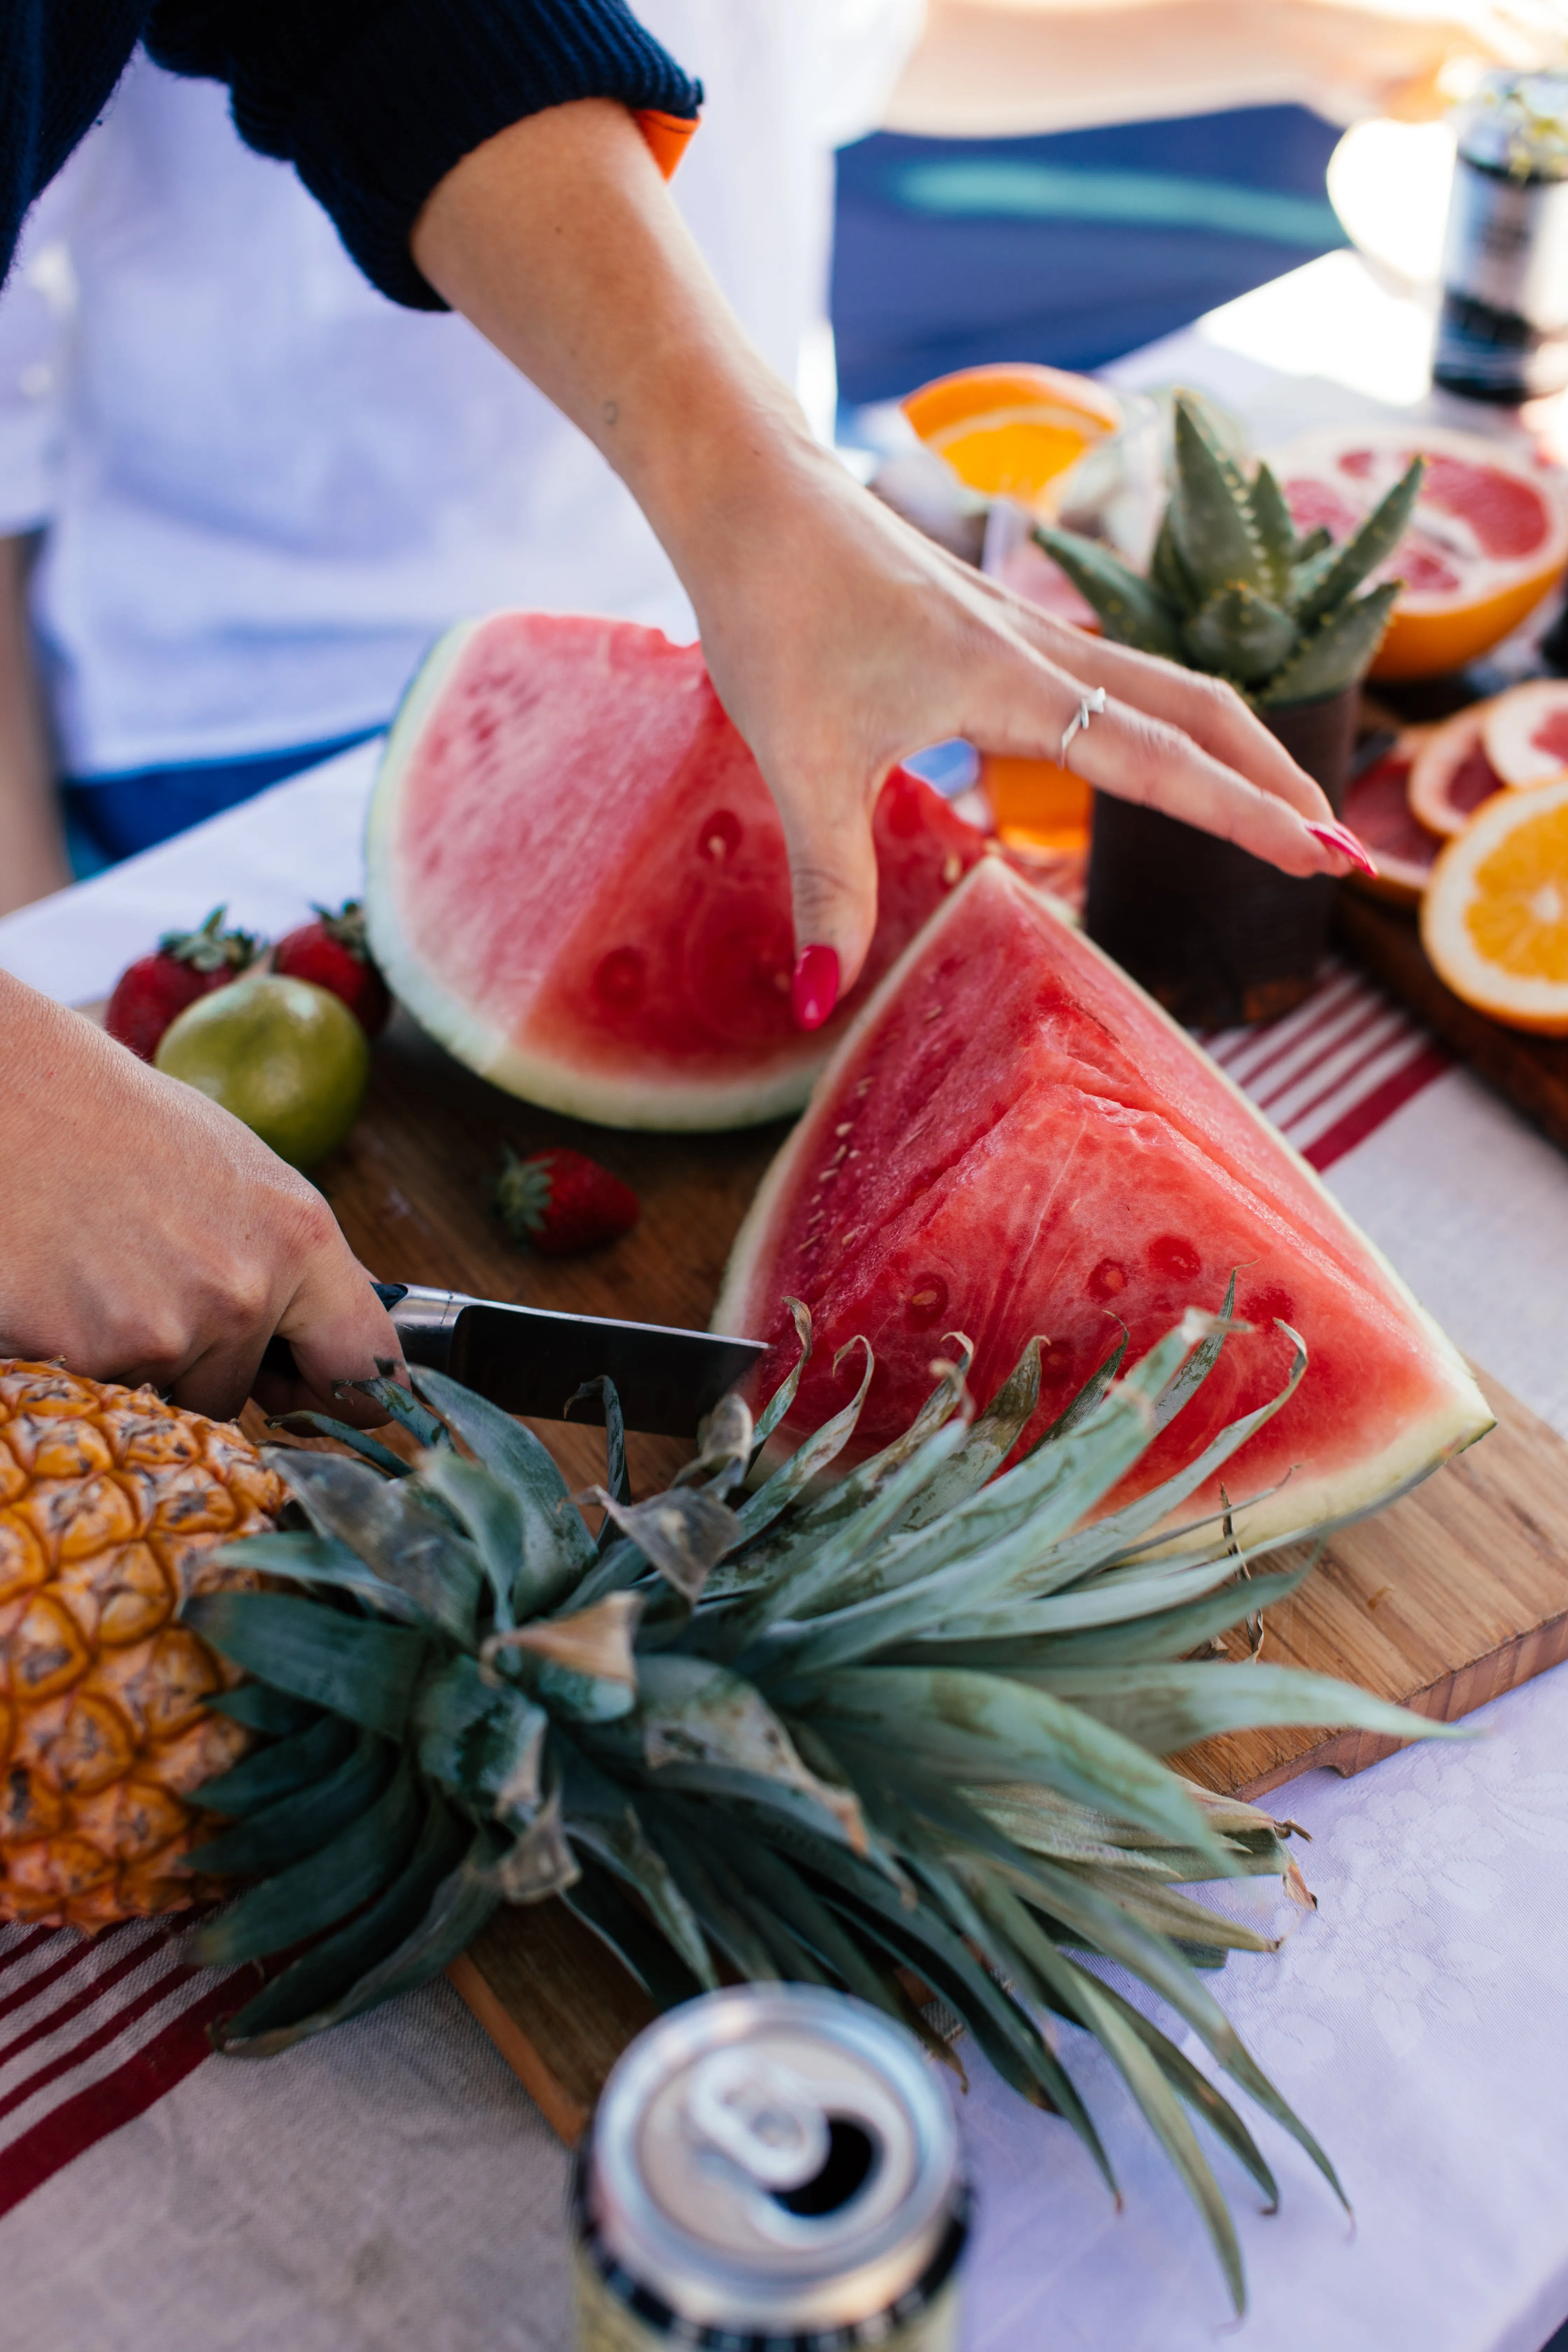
(332, 953)
(561, 1201)
(150, 992)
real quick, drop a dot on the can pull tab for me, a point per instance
(762, 2116)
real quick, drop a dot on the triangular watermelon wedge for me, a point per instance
(576, 877)
(1012, 1140)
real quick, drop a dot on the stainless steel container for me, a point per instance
(1503, 332)
(774, 2166)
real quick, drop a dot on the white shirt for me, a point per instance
(266, 488)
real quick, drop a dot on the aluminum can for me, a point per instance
(771, 2168)
(1502, 334)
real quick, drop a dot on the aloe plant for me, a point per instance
(913, 1722)
(1233, 589)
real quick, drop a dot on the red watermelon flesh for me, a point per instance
(577, 877)
(1014, 1140)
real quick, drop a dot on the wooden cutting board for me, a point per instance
(1530, 1072)
(1445, 1600)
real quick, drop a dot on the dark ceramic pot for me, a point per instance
(1218, 937)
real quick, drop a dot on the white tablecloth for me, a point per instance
(392, 2185)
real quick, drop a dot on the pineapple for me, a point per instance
(904, 1726)
(112, 1504)
(1231, 587)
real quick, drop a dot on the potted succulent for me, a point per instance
(1232, 589)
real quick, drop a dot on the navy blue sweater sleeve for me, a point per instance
(373, 101)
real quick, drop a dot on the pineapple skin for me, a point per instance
(110, 1501)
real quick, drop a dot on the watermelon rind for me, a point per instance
(673, 1106)
(1308, 1502)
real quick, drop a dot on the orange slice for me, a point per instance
(1451, 776)
(1526, 732)
(1488, 538)
(1377, 811)
(1495, 917)
(1013, 431)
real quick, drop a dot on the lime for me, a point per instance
(287, 1057)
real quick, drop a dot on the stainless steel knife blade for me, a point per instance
(532, 1359)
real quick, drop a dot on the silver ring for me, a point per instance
(1090, 706)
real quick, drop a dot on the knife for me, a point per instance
(532, 1359)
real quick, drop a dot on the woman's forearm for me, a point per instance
(32, 846)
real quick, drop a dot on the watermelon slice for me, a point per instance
(577, 879)
(1014, 1140)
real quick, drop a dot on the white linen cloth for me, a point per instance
(266, 488)
(392, 2187)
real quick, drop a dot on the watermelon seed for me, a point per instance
(844, 1127)
(934, 1012)
(951, 867)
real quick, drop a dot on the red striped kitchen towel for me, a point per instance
(92, 2034)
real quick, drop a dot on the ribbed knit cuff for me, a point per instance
(419, 85)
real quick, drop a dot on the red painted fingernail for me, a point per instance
(1344, 842)
(814, 990)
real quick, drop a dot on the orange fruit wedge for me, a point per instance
(1495, 917)
(1526, 732)
(1013, 431)
(1489, 537)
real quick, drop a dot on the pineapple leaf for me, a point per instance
(1131, 610)
(979, 1727)
(725, 1444)
(305, 1999)
(540, 1862)
(950, 1396)
(1104, 1599)
(1166, 1634)
(781, 1885)
(398, 1405)
(483, 1744)
(1337, 651)
(604, 1820)
(316, 1892)
(728, 1923)
(1274, 530)
(1238, 633)
(323, 1560)
(557, 1546)
(579, 1666)
(595, 1897)
(1168, 1707)
(1210, 519)
(298, 1762)
(823, 1446)
(392, 1529)
(1088, 1397)
(1074, 1989)
(615, 1476)
(353, 1667)
(1197, 2091)
(487, 1513)
(987, 1446)
(694, 1713)
(1186, 1383)
(322, 1424)
(1372, 544)
(784, 1396)
(684, 1533)
(273, 1713)
(295, 1824)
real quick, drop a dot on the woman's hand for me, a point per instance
(839, 639)
(146, 1235)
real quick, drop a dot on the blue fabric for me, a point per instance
(1071, 249)
(112, 817)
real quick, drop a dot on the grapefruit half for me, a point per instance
(1451, 775)
(1526, 732)
(576, 877)
(1377, 811)
(1488, 538)
(1013, 1139)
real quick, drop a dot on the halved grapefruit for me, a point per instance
(1495, 917)
(1489, 539)
(1377, 811)
(576, 878)
(1011, 431)
(1526, 732)
(1014, 1140)
(1451, 775)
